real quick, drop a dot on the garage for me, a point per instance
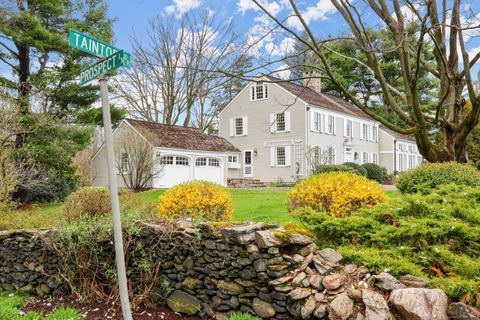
(172, 170)
(210, 169)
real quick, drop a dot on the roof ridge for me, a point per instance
(162, 124)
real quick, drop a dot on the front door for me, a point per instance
(348, 155)
(247, 164)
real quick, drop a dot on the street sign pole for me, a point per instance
(112, 179)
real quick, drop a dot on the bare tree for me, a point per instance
(317, 156)
(173, 78)
(136, 162)
(440, 130)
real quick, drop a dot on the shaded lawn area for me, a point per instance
(262, 205)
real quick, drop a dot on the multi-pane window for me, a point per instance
(259, 91)
(232, 159)
(181, 161)
(330, 156)
(348, 128)
(201, 162)
(374, 134)
(124, 162)
(238, 126)
(281, 156)
(364, 135)
(166, 160)
(280, 121)
(330, 124)
(213, 162)
(411, 161)
(419, 160)
(364, 157)
(316, 121)
(375, 158)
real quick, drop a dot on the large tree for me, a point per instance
(439, 122)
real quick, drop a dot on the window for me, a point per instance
(419, 160)
(181, 161)
(364, 133)
(201, 162)
(281, 156)
(259, 91)
(375, 158)
(316, 121)
(124, 163)
(239, 126)
(166, 160)
(232, 159)
(348, 128)
(364, 157)
(374, 134)
(330, 124)
(213, 162)
(280, 119)
(317, 155)
(330, 156)
(411, 161)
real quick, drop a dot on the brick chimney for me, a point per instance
(313, 80)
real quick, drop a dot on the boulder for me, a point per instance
(420, 303)
(300, 239)
(413, 282)
(461, 311)
(263, 309)
(333, 281)
(266, 239)
(244, 234)
(387, 282)
(182, 302)
(341, 308)
(326, 259)
(376, 308)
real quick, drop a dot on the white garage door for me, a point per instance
(174, 170)
(209, 169)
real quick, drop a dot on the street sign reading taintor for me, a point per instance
(110, 63)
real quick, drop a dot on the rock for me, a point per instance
(350, 268)
(461, 311)
(182, 302)
(242, 234)
(319, 297)
(305, 251)
(230, 287)
(355, 294)
(300, 239)
(191, 283)
(299, 293)
(341, 308)
(320, 312)
(420, 304)
(260, 265)
(333, 281)
(308, 307)
(326, 259)
(266, 239)
(280, 281)
(306, 262)
(376, 308)
(299, 278)
(263, 309)
(413, 282)
(387, 282)
(251, 248)
(316, 281)
(273, 250)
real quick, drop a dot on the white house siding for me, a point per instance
(339, 142)
(398, 154)
(258, 136)
(386, 151)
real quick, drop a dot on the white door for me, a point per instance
(348, 157)
(247, 164)
(174, 170)
(209, 169)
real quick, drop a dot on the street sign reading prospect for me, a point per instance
(111, 63)
(91, 45)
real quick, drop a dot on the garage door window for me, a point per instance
(166, 160)
(181, 161)
(201, 162)
(213, 162)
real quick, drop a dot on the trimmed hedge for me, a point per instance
(375, 172)
(432, 175)
(361, 170)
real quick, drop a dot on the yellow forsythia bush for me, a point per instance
(337, 193)
(196, 199)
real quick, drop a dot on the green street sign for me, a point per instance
(113, 62)
(91, 45)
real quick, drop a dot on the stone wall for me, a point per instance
(257, 268)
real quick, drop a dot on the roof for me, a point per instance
(398, 135)
(178, 137)
(323, 100)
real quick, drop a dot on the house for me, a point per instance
(179, 154)
(278, 125)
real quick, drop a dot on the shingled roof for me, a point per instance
(178, 137)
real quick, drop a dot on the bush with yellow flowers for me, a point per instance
(198, 200)
(336, 193)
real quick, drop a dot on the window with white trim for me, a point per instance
(375, 158)
(124, 162)
(280, 122)
(259, 91)
(419, 160)
(166, 160)
(330, 155)
(281, 159)
(201, 162)
(411, 161)
(364, 131)
(364, 157)
(330, 124)
(374, 134)
(348, 128)
(212, 162)
(232, 159)
(238, 126)
(316, 121)
(181, 161)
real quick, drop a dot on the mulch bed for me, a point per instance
(101, 310)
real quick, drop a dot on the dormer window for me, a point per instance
(259, 91)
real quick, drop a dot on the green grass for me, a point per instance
(10, 305)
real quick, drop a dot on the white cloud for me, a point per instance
(179, 7)
(286, 46)
(273, 7)
(313, 13)
(283, 72)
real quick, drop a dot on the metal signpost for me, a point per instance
(111, 59)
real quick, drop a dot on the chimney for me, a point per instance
(312, 80)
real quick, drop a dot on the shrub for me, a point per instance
(242, 316)
(88, 202)
(334, 168)
(432, 175)
(375, 172)
(436, 236)
(196, 199)
(337, 193)
(361, 170)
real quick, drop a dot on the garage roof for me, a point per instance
(179, 137)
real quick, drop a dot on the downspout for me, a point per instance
(307, 123)
(394, 155)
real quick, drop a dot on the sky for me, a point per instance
(133, 16)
